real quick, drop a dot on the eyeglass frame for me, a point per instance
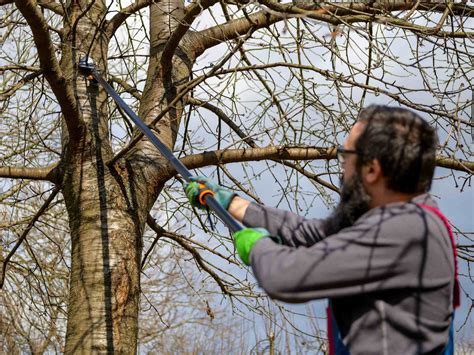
(340, 151)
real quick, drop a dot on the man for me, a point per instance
(384, 257)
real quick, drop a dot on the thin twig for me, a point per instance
(23, 236)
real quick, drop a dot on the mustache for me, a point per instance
(354, 202)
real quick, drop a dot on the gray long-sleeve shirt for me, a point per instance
(390, 276)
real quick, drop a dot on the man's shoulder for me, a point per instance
(405, 220)
(412, 208)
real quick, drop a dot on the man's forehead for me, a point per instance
(355, 132)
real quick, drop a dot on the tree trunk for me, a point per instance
(106, 249)
(108, 206)
(105, 228)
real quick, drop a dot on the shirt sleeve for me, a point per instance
(379, 253)
(293, 230)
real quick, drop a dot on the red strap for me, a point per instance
(331, 350)
(457, 293)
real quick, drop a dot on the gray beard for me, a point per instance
(354, 203)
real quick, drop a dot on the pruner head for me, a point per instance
(86, 65)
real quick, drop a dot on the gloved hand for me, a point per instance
(245, 239)
(200, 184)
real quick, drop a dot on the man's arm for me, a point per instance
(379, 253)
(238, 207)
(292, 229)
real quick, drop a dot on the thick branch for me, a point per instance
(233, 29)
(53, 6)
(14, 67)
(254, 154)
(192, 12)
(445, 162)
(47, 173)
(172, 44)
(422, 30)
(252, 143)
(313, 9)
(286, 153)
(455, 164)
(50, 66)
(328, 13)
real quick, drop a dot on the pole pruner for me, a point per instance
(89, 69)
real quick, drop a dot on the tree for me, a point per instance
(284, 81)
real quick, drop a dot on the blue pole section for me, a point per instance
(221, 212)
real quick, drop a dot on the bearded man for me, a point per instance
(385, 257)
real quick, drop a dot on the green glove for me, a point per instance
(200, 185)
(245, 239)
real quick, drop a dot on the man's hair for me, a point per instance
(403, 143)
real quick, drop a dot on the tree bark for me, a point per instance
(102, 207)
(108, 205)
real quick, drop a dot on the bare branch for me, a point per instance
(252, 143)
(172, 44)
(255, 154)
(30, 225)
(310, 175)
(335, 77)
(219, 113)
(127, 87)
(53, 6)
(116, 21)
(19, 67)
(285, 153)
(161, 232)
(314, 10)
(213, 36)
(455, 164)
(240, 185)
(192, 12)
(422, 30)
(175, 99)
(328, 13)
(26, 79)
(50, 66)
(47, 173)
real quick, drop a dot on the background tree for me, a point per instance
(89, 203)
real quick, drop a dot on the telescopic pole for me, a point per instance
(89, 68)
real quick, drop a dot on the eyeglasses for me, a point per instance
(341, 152)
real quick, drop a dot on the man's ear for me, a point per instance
(372, 172)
